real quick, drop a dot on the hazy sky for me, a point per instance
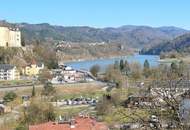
(98, 13)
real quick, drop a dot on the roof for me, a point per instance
(6, 66)
(81, 124)
(40, 64)
(68, 68)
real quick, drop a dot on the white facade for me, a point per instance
(10, 37)
(67, 74)
(8, 72)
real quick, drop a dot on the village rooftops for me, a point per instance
(6, 67)
(79, 123)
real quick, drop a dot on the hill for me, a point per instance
(181, 44)
(131, 36)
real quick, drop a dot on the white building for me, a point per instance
(10, 37)
(8, 72)
(66, 74)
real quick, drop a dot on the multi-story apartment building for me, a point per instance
(10, 37)
(9, 72)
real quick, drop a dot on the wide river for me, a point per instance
(103, 63)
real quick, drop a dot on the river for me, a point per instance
(103, 63)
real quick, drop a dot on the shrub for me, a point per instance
(10, 96)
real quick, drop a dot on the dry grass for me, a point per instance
(67, 89)
(78, 88)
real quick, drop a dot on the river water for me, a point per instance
(103, 63)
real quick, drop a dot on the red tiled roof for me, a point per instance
(81, 124)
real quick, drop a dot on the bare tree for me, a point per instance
(165, 106)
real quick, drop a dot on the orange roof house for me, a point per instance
(78, 123)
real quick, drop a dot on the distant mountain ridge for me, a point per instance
(129, 35)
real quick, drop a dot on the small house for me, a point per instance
(33, 68)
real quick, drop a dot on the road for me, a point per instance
(14, 88)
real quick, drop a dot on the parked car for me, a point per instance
(154, 122)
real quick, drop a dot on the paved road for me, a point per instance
(14, 88)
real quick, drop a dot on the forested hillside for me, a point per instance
(131, 36)
(180, 44)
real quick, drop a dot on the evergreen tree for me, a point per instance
(23, 42)
(121, 65)
(146, 64)
(146, 69)
(182, 68)
(174, 67)
(33, 91)
(127, 68)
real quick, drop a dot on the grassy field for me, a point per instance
(14, 82)
(65, 91)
